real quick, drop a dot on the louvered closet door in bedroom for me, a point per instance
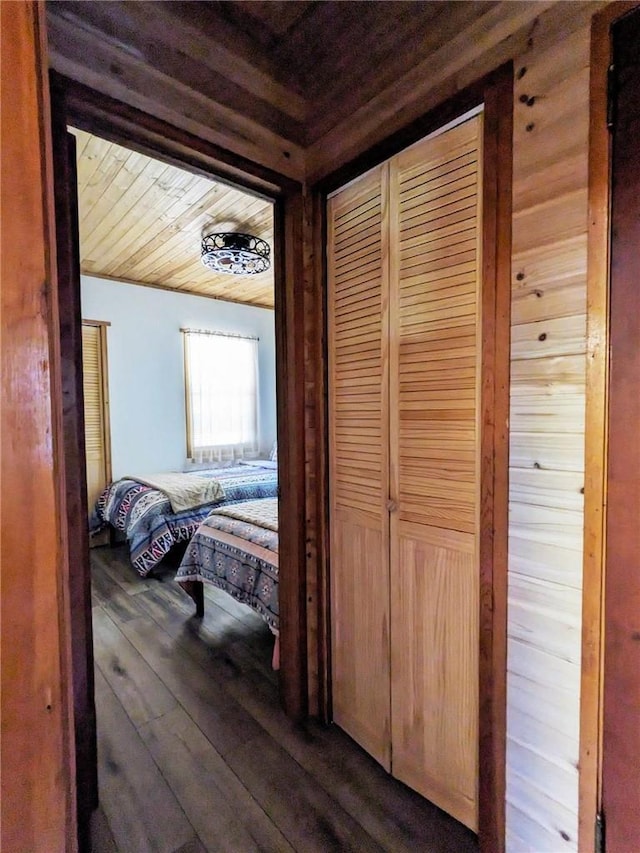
(423, 585)
(96, 420)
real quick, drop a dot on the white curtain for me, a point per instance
(222, 395)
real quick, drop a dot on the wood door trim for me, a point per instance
(496, 92)
(105, 116)
(38, 787)
(494, 454)
(595, 484)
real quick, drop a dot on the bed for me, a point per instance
(144, 514)
(236, 549)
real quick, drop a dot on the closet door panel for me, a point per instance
(434, 373)
(95, 404)
(358, 455)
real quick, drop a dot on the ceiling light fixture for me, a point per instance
(236, 254)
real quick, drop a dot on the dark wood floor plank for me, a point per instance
(102, 840)
(226, 724)
(115, 563)
(243, 776)
(102, 585)
(140, 691)
(105, 592)
(303, 810)
(222, 811)
(310, 818)
(217, 635)
(142, 811)
(391, 813)
(193, 846)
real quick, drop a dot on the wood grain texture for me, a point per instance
(480, 45)
(68, 268)
(621, 669)
(546, 417)
(497, 194)
(434, 381)
(149, 86)
(38, 784)
(357, 314)
(595, 432)
(199, 698)
(142, 221)
(289, 323)
(434, 669)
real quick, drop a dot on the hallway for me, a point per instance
(195, 754)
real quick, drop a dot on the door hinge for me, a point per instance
(612, 96)
(599, 833)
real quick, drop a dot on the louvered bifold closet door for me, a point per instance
(95, 427)
(358, 455)
(434, 373)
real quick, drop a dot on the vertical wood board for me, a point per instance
(358, 459)
(434, 318)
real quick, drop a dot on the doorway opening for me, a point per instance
(178, 376)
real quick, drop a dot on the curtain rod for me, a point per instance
(219, 334)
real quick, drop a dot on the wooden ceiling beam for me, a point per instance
(360, 75)
(80, 54)
(488, 41)
(181, 49)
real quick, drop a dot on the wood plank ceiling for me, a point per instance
(142, 220)
(270, 80)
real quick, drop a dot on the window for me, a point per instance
(221, 378)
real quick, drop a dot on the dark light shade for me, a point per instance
(236, 254)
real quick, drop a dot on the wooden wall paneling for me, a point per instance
(289, 320)
(497, 150)
(595, 434)
(357, 316)
(160, 35)
(547, 414)
(38, 785)
(73, 436)
(620, 728)
(502, 33)
(145, 132)
(97, 63)
(322, 461)
(317, 462)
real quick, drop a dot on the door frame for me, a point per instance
(596, 442)
(93, 112)
(495, 92)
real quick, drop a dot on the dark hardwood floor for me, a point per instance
(196, 755)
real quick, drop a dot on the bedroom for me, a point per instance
(178, 376)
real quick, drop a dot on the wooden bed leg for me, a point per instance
(275, 660)
(195, 589)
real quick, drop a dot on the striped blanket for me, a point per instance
(236, 549)
(144, 514)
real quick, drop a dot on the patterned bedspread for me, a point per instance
(144, 514)
(236, 549)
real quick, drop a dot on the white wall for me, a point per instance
(146, 367)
